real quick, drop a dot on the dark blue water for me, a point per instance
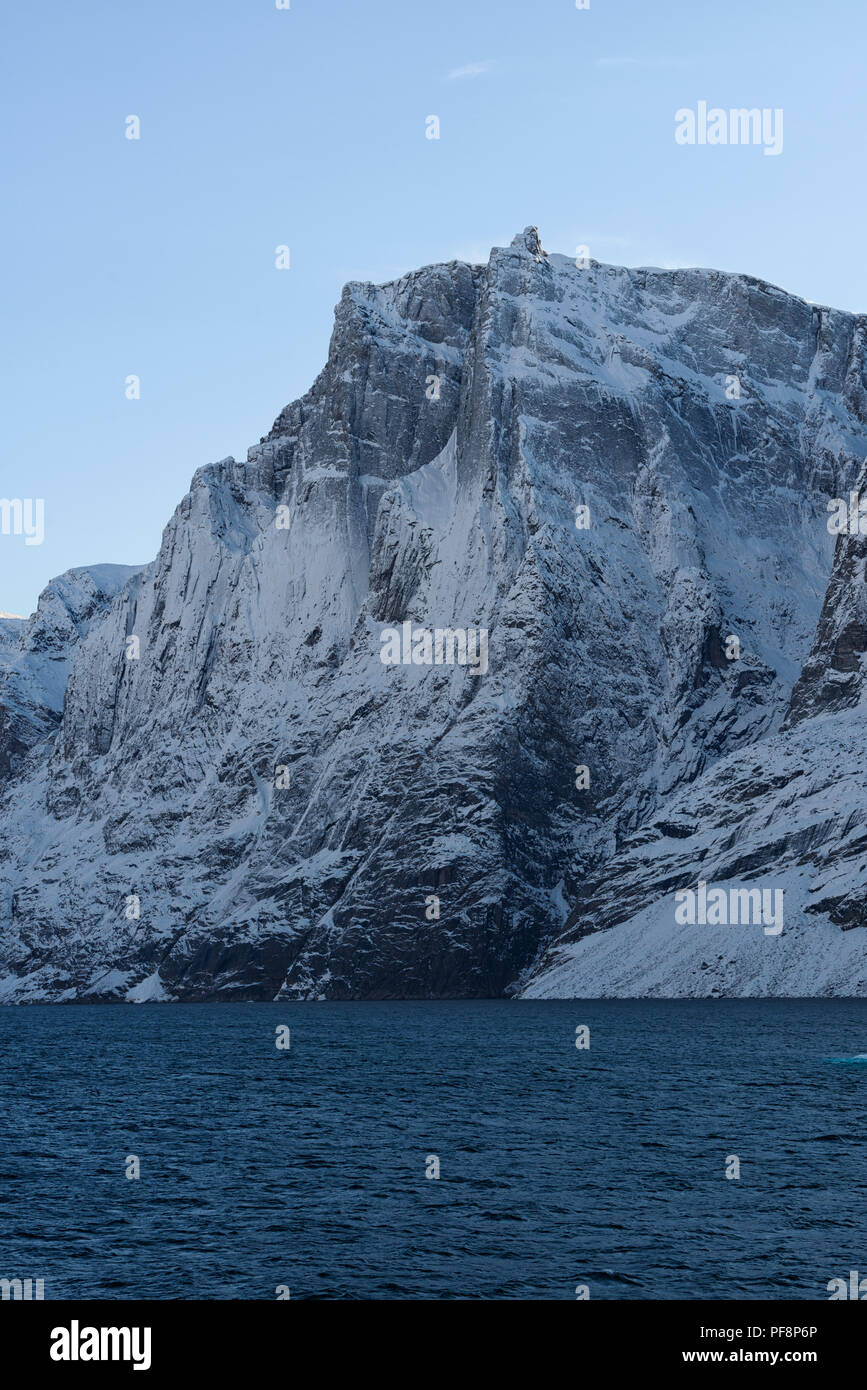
(306, 1168)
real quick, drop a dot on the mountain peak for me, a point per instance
(528, 240)
(582, 472)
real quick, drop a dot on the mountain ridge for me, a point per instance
(434, 474)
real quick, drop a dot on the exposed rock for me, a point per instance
(432, 475)
(36, 655)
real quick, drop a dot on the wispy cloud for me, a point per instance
(469, 70)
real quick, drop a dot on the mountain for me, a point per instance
(36, 655)
(623, 478)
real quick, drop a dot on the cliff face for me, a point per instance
(36, 656)
(241, 800)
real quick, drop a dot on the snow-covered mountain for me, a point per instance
(623, 477)
(36, 655)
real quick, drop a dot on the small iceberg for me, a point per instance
(860, 1058)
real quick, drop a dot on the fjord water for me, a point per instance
(559, 1167)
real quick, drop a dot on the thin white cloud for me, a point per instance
(469, 70)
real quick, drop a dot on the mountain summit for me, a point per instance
(282, 769)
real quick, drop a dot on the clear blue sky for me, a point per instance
(306, 127)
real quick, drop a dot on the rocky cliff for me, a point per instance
(623, 477)
(36, 655)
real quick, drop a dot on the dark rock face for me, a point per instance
(832, 678)
(623, 477)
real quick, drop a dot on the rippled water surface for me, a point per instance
(306, 1167)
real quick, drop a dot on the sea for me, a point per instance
(646, 1149)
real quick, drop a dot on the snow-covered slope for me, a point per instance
(786, 816)
(36, 655)
(243, 801)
